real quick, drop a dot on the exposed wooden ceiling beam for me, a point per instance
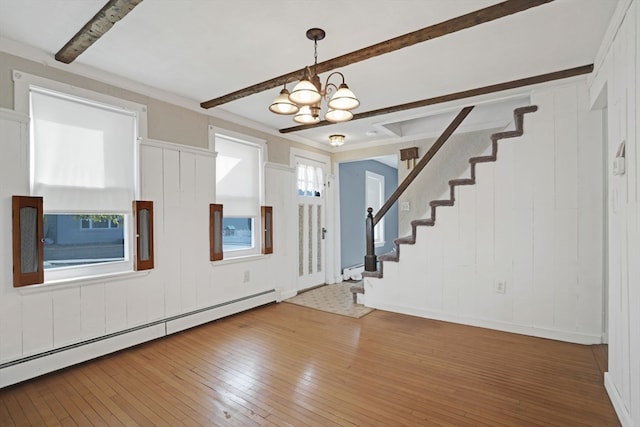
(468, 20)
(513, 84)
(95, 28)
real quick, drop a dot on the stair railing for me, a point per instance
(370, 259)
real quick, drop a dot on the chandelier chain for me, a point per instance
(315, 57)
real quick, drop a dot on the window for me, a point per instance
(310, 180)
(74, 240)
(83, 163)
(375, 198)
(239, 186)
(87, 222)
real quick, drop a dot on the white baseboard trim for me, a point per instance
(217, 312)
(287, 295)
(49, 362)
(572, 337)
(616, 400)
(33, 366)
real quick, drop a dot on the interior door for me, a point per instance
(311, 178)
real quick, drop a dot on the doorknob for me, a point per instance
(324, 231)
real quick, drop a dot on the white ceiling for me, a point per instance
(203, 49)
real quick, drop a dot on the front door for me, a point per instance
(311, 178)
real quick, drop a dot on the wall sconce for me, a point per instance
(409, 155)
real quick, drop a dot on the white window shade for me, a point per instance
(83, 154)
(238, 177)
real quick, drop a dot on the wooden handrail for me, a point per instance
(370, 261)
(422, 163)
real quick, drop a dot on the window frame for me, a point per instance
(260, 145)
(23, 82)
(379, 229)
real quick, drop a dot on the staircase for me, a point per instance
(394, 256)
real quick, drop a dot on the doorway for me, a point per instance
(311, 178)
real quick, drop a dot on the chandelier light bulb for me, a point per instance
(337, 116)
(282, 104)
(343, 99)
(305, 93)
(306, 116)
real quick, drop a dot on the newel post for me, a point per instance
(370, 261)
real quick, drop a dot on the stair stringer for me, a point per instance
(394, 256)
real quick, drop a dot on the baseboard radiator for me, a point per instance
(35, 365)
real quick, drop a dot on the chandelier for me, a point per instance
(305, 98)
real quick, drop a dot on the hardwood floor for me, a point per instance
(283, 364)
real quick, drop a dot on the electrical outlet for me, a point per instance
(501, 287)
(247, 276)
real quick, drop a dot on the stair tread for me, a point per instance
(482, 159)
(445, 202)
(427, 221)
(388, 257)
(505, 135)
(406, 240)
(376, 274)
(462, 181)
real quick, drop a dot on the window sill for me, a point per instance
(238, 259)
(80, 281)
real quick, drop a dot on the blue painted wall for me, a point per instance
(353, 210)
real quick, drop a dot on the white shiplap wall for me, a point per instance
(180, 181)
(617, 81)
(533, 220)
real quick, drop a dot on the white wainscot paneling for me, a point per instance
(115, 303)
(137, 292)
(66, 316)
(204, 183)
(189, 229)
(485, 218)
(10, 327)
(169, 252)
(566, 269)
(92, 308)
(566, 165)
(151, 158)
(37, 323)
(467, 245)
(280, 189)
